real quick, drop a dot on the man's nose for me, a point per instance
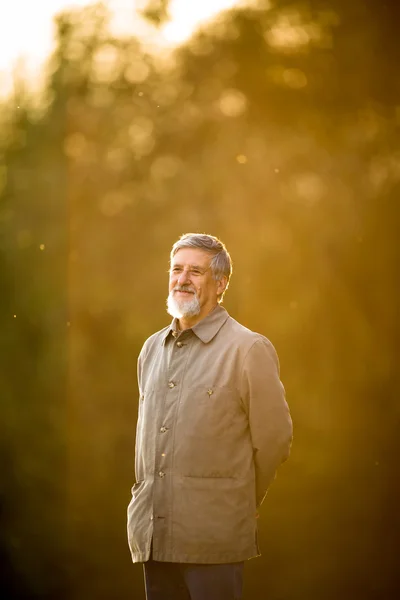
(184, 277)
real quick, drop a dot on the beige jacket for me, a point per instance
(213, 427)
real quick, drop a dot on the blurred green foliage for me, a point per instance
(275, 128)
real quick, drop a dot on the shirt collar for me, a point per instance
(207, 328)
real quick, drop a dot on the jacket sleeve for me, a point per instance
(269, 419)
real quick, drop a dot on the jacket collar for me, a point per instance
(206, 329)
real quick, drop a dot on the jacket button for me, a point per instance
(179, 344)
(171, 384)
(161, 474)
(163, 429)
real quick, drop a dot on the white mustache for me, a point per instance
(183, 288)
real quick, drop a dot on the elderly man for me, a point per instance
(213, 427)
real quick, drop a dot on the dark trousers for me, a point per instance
(183, 581)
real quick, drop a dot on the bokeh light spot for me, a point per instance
(141, 136)
(290, 33)
(106, 64)
(232, 103)
(310, 188)
(285, 35)
(137, 71)
(294, 78)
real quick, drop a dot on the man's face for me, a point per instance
(192, 289)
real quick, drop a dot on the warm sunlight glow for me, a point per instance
(27, 33)
(26, 37)
(187, 16)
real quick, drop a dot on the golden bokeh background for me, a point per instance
(276, 128)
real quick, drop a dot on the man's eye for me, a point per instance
(195, 272)
(176, 270)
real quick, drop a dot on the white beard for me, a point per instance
(182, 308)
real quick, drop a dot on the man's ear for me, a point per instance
(221, 285)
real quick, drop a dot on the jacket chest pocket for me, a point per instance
(209, 411)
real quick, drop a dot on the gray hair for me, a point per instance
(221, 263)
